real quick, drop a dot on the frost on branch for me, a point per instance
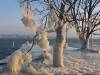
(53, 19)
(27, 19)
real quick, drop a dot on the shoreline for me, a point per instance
(76, 62)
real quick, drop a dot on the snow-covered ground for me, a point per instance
(76, 62)
(82, 62)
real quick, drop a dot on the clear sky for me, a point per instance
(10, 18)
(10, 15)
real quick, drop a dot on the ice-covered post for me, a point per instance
(44, 45)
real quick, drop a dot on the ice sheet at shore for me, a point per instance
(76, 62)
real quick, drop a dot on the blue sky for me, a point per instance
(10, 18)
(10, 15)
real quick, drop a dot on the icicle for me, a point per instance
(16, 60)
(27, 19)
(47, 58)
(44, 45)
(43, 42)
(53, 19)
(30, 70)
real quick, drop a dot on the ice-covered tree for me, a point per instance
(85, 15)
(54, 16)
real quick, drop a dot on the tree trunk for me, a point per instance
(58, 49)
(84, 41)
(60, 40)
(66, 43)
(85, 44)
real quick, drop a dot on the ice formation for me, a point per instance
(16, 60)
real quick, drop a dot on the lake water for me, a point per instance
(6, 44)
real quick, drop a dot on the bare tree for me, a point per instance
(86, 18)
